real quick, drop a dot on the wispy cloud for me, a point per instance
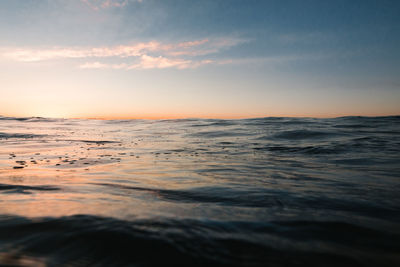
(191, 48)
(147, 55)
(103, 4)
(98, 65)
(31, 55)
(152, 55)
(149, 62)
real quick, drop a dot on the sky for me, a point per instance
(204, 59)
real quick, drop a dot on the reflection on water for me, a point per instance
(227, 192)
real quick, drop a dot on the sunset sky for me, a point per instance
(209, 59)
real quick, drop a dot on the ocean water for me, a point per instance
(195, 192)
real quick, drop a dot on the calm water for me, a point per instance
(269, 191)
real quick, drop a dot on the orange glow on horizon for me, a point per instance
(228, 117)
(210, 116)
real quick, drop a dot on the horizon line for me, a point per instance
(186, 118)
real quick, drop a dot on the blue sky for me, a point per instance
(227, 59)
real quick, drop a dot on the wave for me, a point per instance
(97, 142)
(301, 135)
(211, 123)
(215, 195)
(83, 240)
(20, 135)
(222, 133)
(30, 119)
(262, 198)
(310, 150)
(23, 189)
(368, 118)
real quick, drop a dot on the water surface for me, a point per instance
(253, 192)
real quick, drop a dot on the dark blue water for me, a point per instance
(195, 192)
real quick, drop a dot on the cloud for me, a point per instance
(149, 62)
(122, 51)
(205, 47)
(191, 48)
(151, 55)
(98, 65)
(93, 65)
(103, 4)
(145, 55)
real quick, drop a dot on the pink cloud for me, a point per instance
(191, 48)
(93, 65)
(30, 55)
(149, 62)
(98, 65)
(192, 43)
(145, 55)
(204, 47)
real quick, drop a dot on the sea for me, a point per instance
(272, 191)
